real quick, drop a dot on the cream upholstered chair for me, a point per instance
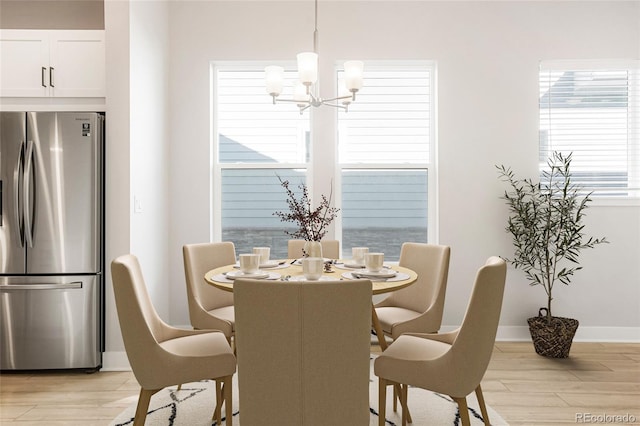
(419, 307)
(449, 363)
(303, 352)
(161, 355)
(209, 307)
(330, 249)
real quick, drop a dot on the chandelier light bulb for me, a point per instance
(308, 68)
(300, 95)
(353, 71)
(274, 76)
(345, 95)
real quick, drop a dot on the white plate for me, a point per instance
(383, 273)
(353, 265)
(269, 264)
(232, 275)
(400, 276)
(302, 278)
(272, 264)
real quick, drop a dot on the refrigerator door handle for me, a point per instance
(17, 186)
(29, 193)
(66, 286)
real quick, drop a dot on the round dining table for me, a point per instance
(291, 270)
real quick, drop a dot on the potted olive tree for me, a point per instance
(546, 225)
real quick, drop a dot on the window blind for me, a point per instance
(250, 128)
(389, 122)
(256, 142)
(384, 154)
(593, 110)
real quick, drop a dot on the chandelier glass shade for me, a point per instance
(305, 90)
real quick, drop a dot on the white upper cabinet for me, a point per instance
(24, 63)
(52, 63)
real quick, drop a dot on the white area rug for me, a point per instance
(193, 406)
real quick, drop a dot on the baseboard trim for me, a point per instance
(584, 334)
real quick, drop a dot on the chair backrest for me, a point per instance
(471, 351)
(198, 260)
(431, 263)
(140, 324)
(303, 351)
(330, 249)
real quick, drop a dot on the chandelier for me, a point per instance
(305, 91)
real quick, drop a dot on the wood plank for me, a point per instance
(524, 387)
(617, 403)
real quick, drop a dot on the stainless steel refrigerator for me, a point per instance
(51, 240)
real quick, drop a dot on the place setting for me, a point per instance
(254, 265)
(265, 262)
(372, 267)
(356, 261)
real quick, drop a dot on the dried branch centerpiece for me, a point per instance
(312, 223)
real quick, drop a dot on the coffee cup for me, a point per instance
(373, 261)
(312, 268)
(249, 263)
(357, 254)
(264, 253)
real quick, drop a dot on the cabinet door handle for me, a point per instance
(44, 70)
(51, 69)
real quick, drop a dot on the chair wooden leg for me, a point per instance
(217, 411)
(382, 401)
(406, 403)
(395, 400)
(397, 387)
(143, 406)
(228, 394)
(464, 411)
(403, 402)
(483, 407)
(179, 387)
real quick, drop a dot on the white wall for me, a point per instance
(149, 146)
(487, 55)
(118, 155)
(137, 163)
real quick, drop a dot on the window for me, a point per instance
(593, 110)
(385, 154)
(383, 177)
(256, 142)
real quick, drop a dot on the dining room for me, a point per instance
(170, 172)
(196, 152)
(488, 69)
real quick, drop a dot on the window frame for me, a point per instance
(216, 166)
(429, 166)
(313, 164)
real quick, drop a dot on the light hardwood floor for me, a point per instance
(526, 389)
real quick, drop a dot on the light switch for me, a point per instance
(137, 205)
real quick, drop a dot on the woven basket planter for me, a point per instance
(552, 340)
